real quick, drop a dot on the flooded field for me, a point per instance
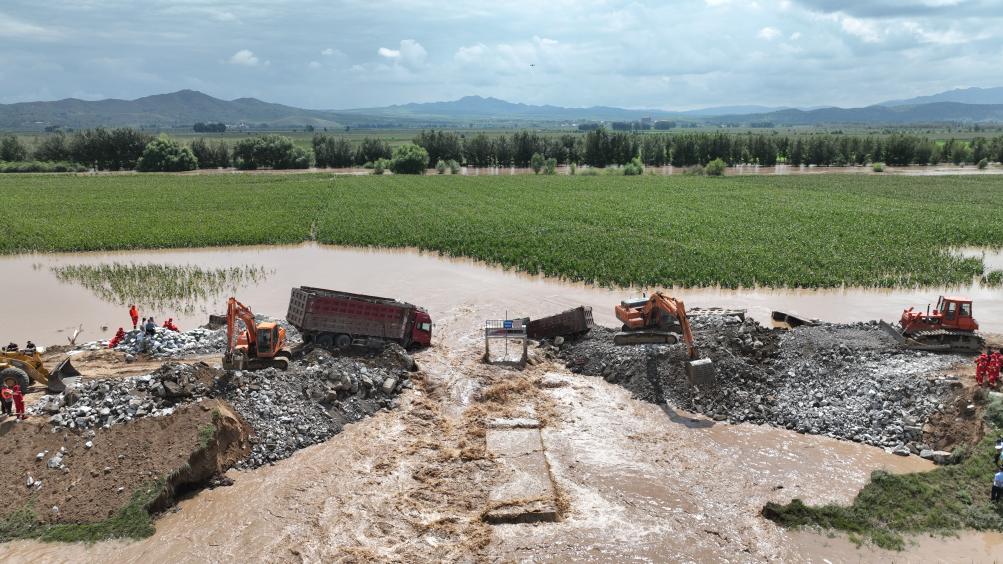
(45, 308)
(641, 481)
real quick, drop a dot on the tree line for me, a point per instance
(123, 149)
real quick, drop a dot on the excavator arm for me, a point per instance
(659, 302)
(234, 311)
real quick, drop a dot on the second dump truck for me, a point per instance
(334, 319)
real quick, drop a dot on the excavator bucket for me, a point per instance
(700, 373)
(65, 369)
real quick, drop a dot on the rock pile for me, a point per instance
(313, 400)
(288, 410)
(99, 403)
(845, 381)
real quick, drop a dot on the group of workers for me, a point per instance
(987, 367)
(12, 395)
(148, 326)
(29, 348)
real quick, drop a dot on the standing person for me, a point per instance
(19, 402)
(151, 327)
(134, 314)
(995, 363)
(981, 368)
(997, 486)
(6, 398)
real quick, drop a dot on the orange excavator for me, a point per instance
(656, 320)
(259, 345)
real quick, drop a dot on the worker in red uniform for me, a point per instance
(981, 368)
(119, 335)
(6, 398)
(19, 402)
(134, 314)
(169, 324)
(994, 368)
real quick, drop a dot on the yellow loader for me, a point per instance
(24, 369)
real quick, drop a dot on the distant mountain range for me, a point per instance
(992, 96)
(186, 107)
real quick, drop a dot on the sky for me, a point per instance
(331, 54)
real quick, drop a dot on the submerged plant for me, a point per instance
(160, 286)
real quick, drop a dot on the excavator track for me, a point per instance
(943, 339)
(645, 338)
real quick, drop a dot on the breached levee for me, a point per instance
(844, 381)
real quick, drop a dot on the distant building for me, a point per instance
(646, 123)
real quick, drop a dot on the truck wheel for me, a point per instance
(13, 375)
(343, 341)
(325, 340)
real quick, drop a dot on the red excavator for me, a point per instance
(259, 345)
(656, 320)
(949, 327)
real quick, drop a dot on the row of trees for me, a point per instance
(121, 149)
(601, 147)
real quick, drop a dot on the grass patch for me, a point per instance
(942, 501)
(131, 521)
(206, 434)
(824, 230)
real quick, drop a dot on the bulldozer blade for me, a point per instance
(701, 373)
(645, 338)
(65, 369)
(892, 331)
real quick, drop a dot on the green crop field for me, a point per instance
(808, 231)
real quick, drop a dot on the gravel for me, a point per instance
(289, 410)
(844, 381)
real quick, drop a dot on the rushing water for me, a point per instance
(627, 467)
(41, 308)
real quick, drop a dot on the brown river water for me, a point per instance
(642, 482)
(41, 308)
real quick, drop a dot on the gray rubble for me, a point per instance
(844, 381)
(313, 400)
(288, 410)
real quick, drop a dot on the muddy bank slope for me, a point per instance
(65, 477)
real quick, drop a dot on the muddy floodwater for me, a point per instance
(642, 482)
(41, 308)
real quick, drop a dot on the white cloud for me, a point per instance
(795, 36)
(411, 54)
(244, 57)
(314, 65)
(768, 33)
(15, 28)
(717, 2)
(866, 30)
(331, 52)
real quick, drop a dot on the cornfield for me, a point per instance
(821, 230)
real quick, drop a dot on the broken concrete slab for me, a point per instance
(525, 493)
(514, 423)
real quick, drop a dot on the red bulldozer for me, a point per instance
(950, 326)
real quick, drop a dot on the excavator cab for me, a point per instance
(259, 345)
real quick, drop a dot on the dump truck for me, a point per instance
(575, 321)
(24, 368)
(335, 319)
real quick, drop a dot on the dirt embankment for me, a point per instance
(69, 477)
